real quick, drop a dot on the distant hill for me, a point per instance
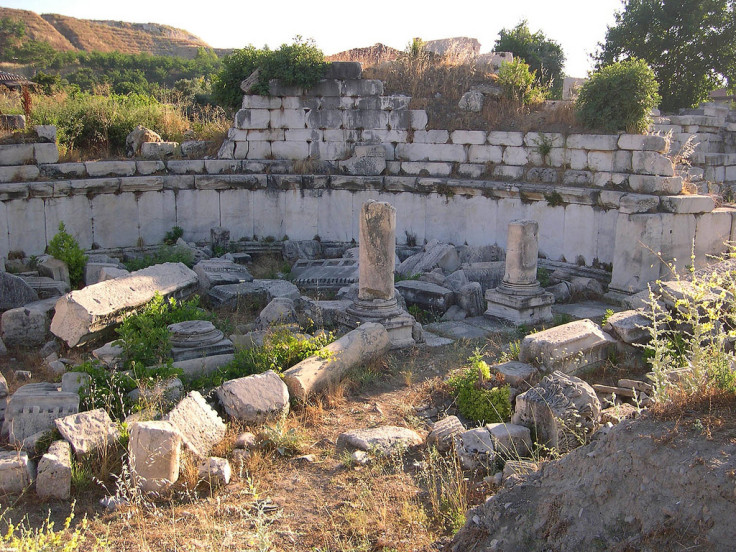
(66, 33)
(368, 56)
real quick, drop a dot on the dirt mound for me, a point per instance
(38, 29)
(369, 56)
(647, 485)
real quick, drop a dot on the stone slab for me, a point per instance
(383, 439)
(255, 399)
(88, 431)
(198, 423)
(154, 450)
(54, 478)
(33, 409)
(16, 471)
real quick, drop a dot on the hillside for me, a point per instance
(69, 33)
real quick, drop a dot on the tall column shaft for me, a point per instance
(377, 251)
(522, 249)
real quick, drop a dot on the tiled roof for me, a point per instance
(10, 78)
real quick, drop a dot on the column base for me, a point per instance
(398, 323)
(519, 309)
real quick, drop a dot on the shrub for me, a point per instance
(619, 96)
(144, 336)
(298, 64)
(518, 83)
(171, 237)
(480, 397)
(281, 350)
(65, 248)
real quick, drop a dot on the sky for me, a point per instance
(578, 25)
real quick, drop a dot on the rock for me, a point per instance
(23, 375)
(442, 256)
(368, 160)
(88, 431)
(49, 347)
(560, 291)
(470, 299)
(194, 339)
(474, 448)
(472, 101)
(56, 367)
(456, 280)
(587, 288)
(509, 440)
(215, 471)
(255, 291)
(3, 348)
(55, 269)
(154, 450)
(617, 414)
(110, 273)
(330, 364)
(246, 440)
(630, 326)
(293, 250)
(24, 326)
(162, 394)
(279, 311)
(93, 271)
(137, 138)
(14, 292)
(517, 374)
(195, 149)
(203, 366)
(454, 313)
(435, 277)
(518, 467)
(563, 411)
(443, 433)
(54, 479)
(33, 409)
(383, 439)
(568, 347)
(425, 295)
(16, 472)
(109, 354)
(488, 274)
(46, 288)
(82, 315)
(72, 382)
(255, 399)
(46, 133)
(220, 272)
(198, 424)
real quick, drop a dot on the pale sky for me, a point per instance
(578, 25)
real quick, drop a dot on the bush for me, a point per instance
(518, 83)
(298, 64)
(144, 336)
(280, 351)
(65, 248)
(480, 397)
(619, 96)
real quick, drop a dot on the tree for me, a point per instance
(690, 45)
(544, 56)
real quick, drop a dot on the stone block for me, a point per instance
(536, 139)
(485, 154)
(688, 204)
(159, 150)
(600, 161)
(602, 142)
(505, 172)
(371, 119)
(562, 410)
(431, 152)
(203, 366)
(432, 137)
(439, 255)
(24, 326)
(471, 170)
(15, 292)
(34, 407)
(261, 102)
(655, 184)
(97, 169)
(467, 137)
(255, 399)
(82, 315)
(198, 423)
(517, 374)
(54, 478)
(215, 471)
(58, 170)
(247, 119)
(515, 156)
(643, 142)
(653, 163)
(502, 138)
(16, 472)
(567, 348)
(16, 154)
(475, 449)
(288, 118)
(382, 439)
(12, 122)
(336, 359)
(426, 295)
(88, 431)
(417, 119)
(426, 168)
(185, 166)
(256, 291)
(20, 173)
(509, 440)
(443, 433)
(218, 272)
(255, 150)
(470, 298)
(154, 450)
(72, 382)
(46, 153)
(629, 326)
(363, 87)
(636, 203)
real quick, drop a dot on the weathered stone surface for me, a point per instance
(72, 382)
(46, 287)
(562, 409)
(55, 269)
(517, 374)
(54, 478)
(24, 326)
(93, 270)
(219, 272)
(154, 450)
(630, 326)
(560, 291)
(257, 290)
(246, 440)
(383, 439)
(14, 292)
(82, 315)
(366, 161)
(567, 348)
(294, 250)
(198, 423)
(333, 361)
(110, 273)
(377, 250)
(215, 471)
(109, 354)
(650, 162)
(159, 150)
(255, 399)
(197, 338)
(426, 295)
(33, 409)
(435, 255)
(88, 431)
(16, 471)
(202, 366)
(474, 448)
(470, 299)
(472, 101)
(3, 348)
(279, 311)
(509, 440)
(443, 433)
(619, 413)
(163, 392)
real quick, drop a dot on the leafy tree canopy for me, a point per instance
(543, 55)
(690, 45)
